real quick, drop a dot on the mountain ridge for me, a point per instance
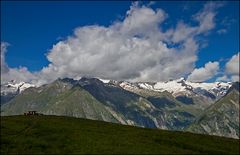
(221, 118)
(122, 102)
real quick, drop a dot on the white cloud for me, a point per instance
(151, 3)
(234, 78)
(17, 74)
(133, 49)
(206, 17)
(4, 67)
(223, 78)
(232, 67)
(204, 73)
(183, 31)
(231, 72)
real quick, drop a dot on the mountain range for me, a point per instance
(209, 108)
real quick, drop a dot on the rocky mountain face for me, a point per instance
(173, 105)
(58, 98)
(196, 95)
(91, 98)
(221, 118)
(181, 87)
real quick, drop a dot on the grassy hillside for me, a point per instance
(66, 135)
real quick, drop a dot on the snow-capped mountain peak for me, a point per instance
(104, 80)
(178, 87)
(175, 87)
(14, 87)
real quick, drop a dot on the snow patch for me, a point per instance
(104, 80)
(12, 87)
(179, 87)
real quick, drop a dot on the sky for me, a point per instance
(121, 40)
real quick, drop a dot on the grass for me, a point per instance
(66, 135)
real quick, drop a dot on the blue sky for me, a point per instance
(32, 28)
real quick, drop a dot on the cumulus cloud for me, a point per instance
(232, 67)
(223, 78)
(204, 73)
(231, 72)
(206, 17)
(4, 67)
(135, 49)
(235, 78)
(17, 74)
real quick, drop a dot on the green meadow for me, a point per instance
(67, 135)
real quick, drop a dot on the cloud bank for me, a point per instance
(204, 73)
(231, 69)
(4, 67)
(232, 66)
(17, 74)
(134, 49)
